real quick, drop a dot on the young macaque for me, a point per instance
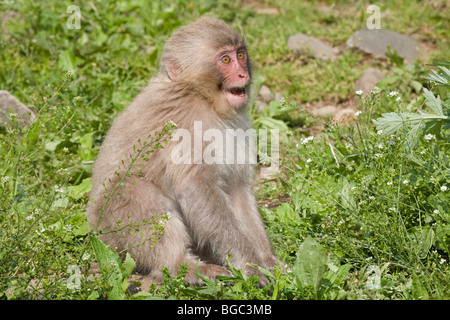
(204, 78)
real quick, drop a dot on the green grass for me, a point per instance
(366, 213)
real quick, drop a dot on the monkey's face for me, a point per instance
(234, 67)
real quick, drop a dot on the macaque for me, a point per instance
(204, 78)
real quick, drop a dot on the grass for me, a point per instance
(364, 210)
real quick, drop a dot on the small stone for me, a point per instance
(265, 94)
(271, 11)
(261, 105)
(302, 43)
(343, 114)
(10, 104)
(324, 111)
(368, 80)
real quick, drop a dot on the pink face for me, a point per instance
(234, 67)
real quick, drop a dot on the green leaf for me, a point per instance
(287, 214)
(416, 123)
(111, 268)
(60, 203)
(67, 60)
(85, 149)
(270, 123)
(434, 103)
(128, 265)
(311, 263)
(347, 198)
(80, 190)
(52, 145)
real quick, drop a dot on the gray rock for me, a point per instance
(302, 43)
(261, 105)
(324, 111)
(265, 94)
(10, 104)
(376, 41)
(368, 80)
(344, 114)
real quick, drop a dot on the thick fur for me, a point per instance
(213, 212)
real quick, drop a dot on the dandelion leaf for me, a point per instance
(111, 268)
(311, 264)
(80, 190)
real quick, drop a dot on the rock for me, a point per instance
(376, 41)
(278, 96)
(368, 80)
(261, 105)
(10, 104)
(302, 43)
(265, 94)
(344, 114)
(324, 111)
(272, 11)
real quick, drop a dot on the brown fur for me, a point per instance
(212, 208)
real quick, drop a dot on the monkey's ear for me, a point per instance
(171, 68)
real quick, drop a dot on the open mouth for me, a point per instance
(237, 91)
(236, 96)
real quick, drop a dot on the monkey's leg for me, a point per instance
(246, 208)
(215, 225)
(139, 208)
(173, 249)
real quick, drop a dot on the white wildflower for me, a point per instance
(391, 142)
(429, 137)
(62, 171)
(376, 90)
(436, 211)
(380, 132)
(86, 256)
(357, 113)
(306, 140)
(405, 181)
(444, 188)
(389, 183)
(359, 92)
(308, 160)
(393, 93)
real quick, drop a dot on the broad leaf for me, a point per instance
(311, 264)
(111, 268)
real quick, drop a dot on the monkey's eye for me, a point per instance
(225, 59)
(241, 55)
